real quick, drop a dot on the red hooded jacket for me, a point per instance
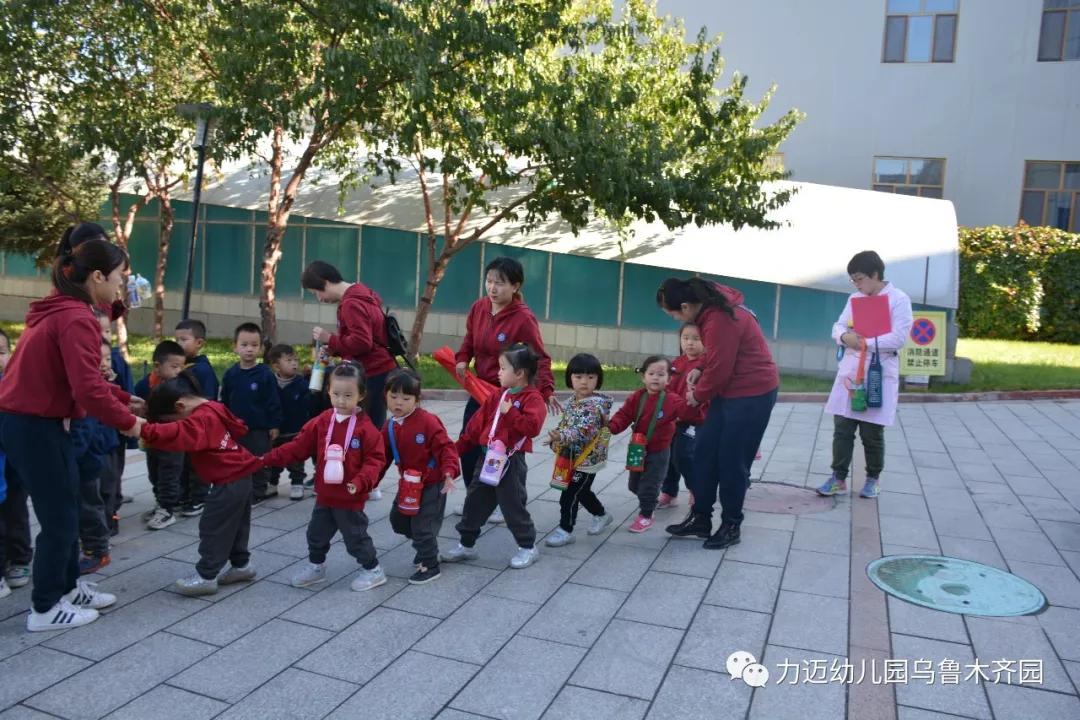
(487, 335)
(674, 410)
(208, 435)
(737, 358)
(524, 420)
(681, 367)
(55, 371)
(361, 334)
(421, 437)
(364, 458)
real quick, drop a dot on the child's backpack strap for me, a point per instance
(393, 443)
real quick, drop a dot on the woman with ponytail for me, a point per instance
(739, 380)
(52, 378)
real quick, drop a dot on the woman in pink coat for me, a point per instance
(867, 273)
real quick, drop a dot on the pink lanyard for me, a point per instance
(348, 434)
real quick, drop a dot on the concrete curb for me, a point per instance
(816, 397)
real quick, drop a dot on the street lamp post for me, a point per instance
(201, 113)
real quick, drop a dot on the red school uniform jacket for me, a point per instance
(674, 410)
(524, 420)
(487, 335)
(737, 358)
(209, 437)
(364, 458)
(421, 437)
(361, 334)
(681, 367)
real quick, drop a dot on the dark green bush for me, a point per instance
(1061, 302)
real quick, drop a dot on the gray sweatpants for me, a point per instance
(423, 527)
(509, 495)
(326, 521)
(224, 527)
(646, 484)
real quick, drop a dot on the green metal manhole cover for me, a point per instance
(956, 586)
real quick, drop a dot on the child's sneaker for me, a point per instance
(641, 524)
(196, 585)
(558, 538)
(192, 509)
(162, 519)
(4, 589)
(424, 574)
(312, 574)
(599, 523)
(496, 517)
(61, 616)
(17, 575)
(296, 492)
(524, 557)
(459, 553)
(309, 483)
(871, 489)
(368, 579)
(92, 563)
(667, 501)
(237, 574)
(146, 516)
(375, 494)
(833, 486)
(85, 594)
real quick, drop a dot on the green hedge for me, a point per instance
(1019, 283)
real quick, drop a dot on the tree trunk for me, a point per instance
(268, 298)
(164, 236)
(121, 233)
(436, 273)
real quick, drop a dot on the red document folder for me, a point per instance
(870, 315)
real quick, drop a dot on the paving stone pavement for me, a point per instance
(613, 626)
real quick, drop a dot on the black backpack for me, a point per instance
(396, 342)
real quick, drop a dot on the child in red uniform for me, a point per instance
(208, 433)
(519, 411)
(682, 447)
(652, 406)
(349, 460)
(416, 440)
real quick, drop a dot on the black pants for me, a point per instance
(578, 493)
(224, 527)
(471, 458)
(166, 471)
(682, 460)
(843, 446)
(15, 547)
(258, 443)
(41, 456)
(93, 521)
(646, 483)
(296, 470)
(726, 445)
(109, 483)
(194, 489)
(509, 495)
(423, 527)
(326, 521)
(375, 400)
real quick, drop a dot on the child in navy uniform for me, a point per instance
(416, 440)
(16, 552)
(250, 391)
(191, 335)
(296, 406)
(113, 472)
(166, 469)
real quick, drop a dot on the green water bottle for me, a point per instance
(858, 397)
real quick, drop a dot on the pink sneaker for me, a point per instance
(641, 524)
(667, 501)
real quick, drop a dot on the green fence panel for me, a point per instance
(287, 279)
(335, 245)
(220, 213)
(176, 265)
(808, 315)
(20, 265)
(535, 263)
(150, 212)
(584, 290)
(143, 248)
(639, 308)
(460, 286)
(388, 264)
(759, 297)
(228, 255)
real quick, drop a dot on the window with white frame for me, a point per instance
(1051, 194)
(920, 31)
(923, 177)
(1059, 36)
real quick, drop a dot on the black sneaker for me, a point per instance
(693, 525)
(192, 509)
(424, 574)
(726, 536)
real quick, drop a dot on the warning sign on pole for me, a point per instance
(924, 353)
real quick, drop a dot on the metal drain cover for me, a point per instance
(956, 586)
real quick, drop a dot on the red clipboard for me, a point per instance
(870, 315)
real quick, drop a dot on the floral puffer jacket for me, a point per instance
(581, 421)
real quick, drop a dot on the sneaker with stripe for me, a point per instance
(85, 595)
(61, 616)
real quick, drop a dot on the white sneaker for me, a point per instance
(17, 576)
(162, 519)
(559, 538)
(4, 589)
(196, 585)
(459, 509)
(524, 557)
(599, 523)
(375, 494)
(296, 492)
(235, 575)
(312, 574)
(145, 517)
(496, 517)
(61, 616)
(459, 553)
(368, 579)
(85, 595)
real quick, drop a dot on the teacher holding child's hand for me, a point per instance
(54, 377)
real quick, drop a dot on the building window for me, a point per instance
(920, 31)
(1051, 195)
(923, 177)
(1059, 38)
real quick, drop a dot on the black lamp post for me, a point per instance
(201, 113)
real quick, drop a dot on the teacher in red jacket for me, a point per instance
(739, 380)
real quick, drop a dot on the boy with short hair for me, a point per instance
(296, 406)
(113, 472)
(190, 334)
(166, 469)
(250, 391)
